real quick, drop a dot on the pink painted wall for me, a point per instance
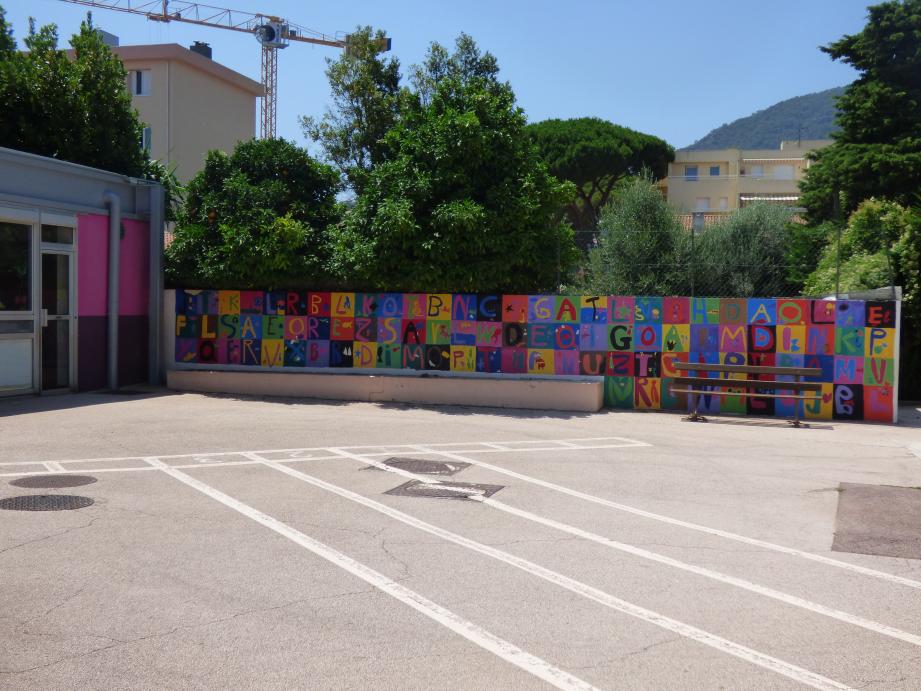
(93, 261)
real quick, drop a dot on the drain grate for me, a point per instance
(424, 466)
(45, 502)
(444, 490)
(53, 481)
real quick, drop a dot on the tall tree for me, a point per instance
(877, 151)
(77, 110)
(595, 155)
(257, 218)
(7, 42)
(642, 248)
(462, 201)
(365, 87)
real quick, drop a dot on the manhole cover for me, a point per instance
(444, 490)
(45, 502)
(425, 466)
(53, 481)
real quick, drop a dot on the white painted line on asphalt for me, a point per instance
(473, 633)
(915, 449)
(624, 443)
(828, 561)
(223, 464)
(723, 645)
(778, 595)
(54, 466)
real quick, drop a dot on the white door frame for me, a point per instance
(70, 251)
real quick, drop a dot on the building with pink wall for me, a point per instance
(62, 325)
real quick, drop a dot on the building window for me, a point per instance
(146, 139)
(702, 204)
(783, 172)
(756, 171)
(724, 203)
(714, 171)
(139, 82)
(690, 172)
(15, 268)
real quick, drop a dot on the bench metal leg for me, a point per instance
(695, 415)
(795, 421)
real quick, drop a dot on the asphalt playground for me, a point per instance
(279, 544)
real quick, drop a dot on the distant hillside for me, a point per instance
(814, 113)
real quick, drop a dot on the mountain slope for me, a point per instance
(805, 117)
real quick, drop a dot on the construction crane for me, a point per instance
(272, 32)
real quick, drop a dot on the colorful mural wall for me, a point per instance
(633, 342)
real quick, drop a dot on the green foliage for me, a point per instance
(461, 202)
(258, 218)
(76, 110)
(908, 259)
(811, 116)
(173, 191)
(595, 155)
(642, 249)
(365, 89)
(805, 244)
(744, 255)
(877, 152)
(871, 245)
(7, 42)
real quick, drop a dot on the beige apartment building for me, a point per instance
(189, 103)
(716, 182)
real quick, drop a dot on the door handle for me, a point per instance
(44, 317)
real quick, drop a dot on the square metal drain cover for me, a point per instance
(425, 466)
(878, 519)
(444, 490)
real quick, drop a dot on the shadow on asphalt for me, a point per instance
(517, 413)
(909, 415)
(25, 405)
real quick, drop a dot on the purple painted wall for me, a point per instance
(92, 295)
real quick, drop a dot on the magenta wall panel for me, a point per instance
(92, 295)
(93, 261)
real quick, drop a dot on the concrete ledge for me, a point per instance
(540, 394)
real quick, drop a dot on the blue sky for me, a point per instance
(673, 68)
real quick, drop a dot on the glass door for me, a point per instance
(57, 320)
(18, 267)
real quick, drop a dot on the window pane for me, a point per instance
(56, 283)
(15, 364)
(60, 234)
(15, 267)
(783, 172)
(16, 326)
(56, 355)
(690, 172)
(714, 170)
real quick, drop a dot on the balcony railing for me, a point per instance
(724, 178)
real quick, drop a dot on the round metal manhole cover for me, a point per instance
(53, 481)
(45, 502)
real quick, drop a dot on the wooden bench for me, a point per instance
(753, 388)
